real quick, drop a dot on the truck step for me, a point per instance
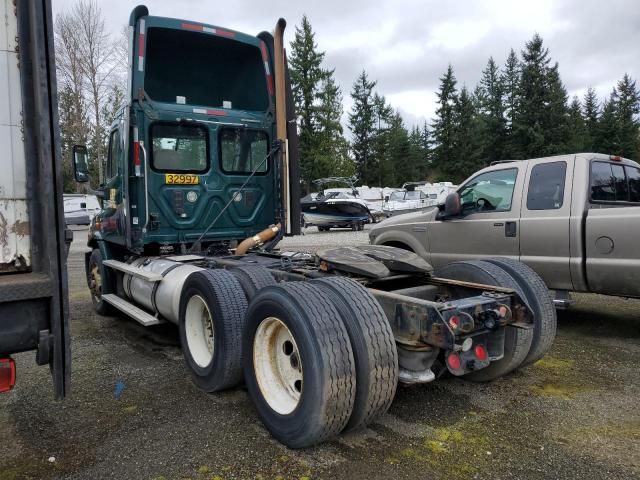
(129, 309)
(134, 271)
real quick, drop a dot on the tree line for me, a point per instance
(519, 110)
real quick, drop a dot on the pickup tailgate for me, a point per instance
(612, 251)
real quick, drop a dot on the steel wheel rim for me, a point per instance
(95, 281)
(199, 330)
(277, 365)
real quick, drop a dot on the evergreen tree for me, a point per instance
(489, 104)
(510, 80)
(608, 137)
(578, 136)
(381, 165)
(627, 103)
(529, 124)
(307, 75)
(540, 127)
(555, 121)
(362, 126)
(401, 165)
(591, 115)
(331, 156)
(444, 124)
(467, 139)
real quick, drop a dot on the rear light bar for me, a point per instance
(7, 374)
(615, 158)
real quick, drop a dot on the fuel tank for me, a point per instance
(162, 297)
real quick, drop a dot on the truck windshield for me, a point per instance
(179, 147)
(202, 69)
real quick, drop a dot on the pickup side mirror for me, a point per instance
(452, 205)
(386, 198)
(80, 164)
(83, 205)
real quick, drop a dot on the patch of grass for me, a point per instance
(556, 390)
(554, 363)
(445, 450)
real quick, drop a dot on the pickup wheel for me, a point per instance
(517, 342)
(298, 364)
(537, 295)
(373, 345)
(212, 315)
(99, 282)
(253, 278)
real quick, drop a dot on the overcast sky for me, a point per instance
(407, 45)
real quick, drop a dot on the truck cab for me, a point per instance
(198, 127)
(571, 218)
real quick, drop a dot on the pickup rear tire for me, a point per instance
(212, 315)
(517, 342)
(253, 278)
(298, 365)
(373, 344)
(541, 303)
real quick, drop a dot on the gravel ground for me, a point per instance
(572, 415)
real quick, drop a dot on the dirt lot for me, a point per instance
(134, 413)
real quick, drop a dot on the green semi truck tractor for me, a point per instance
(202, 182)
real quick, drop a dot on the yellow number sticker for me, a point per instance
(180, 179)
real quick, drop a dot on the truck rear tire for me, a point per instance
(373, 344)
(253, 278)
(517, 342)
(212, 315)
(298, 364)
(541, 303)
(99, 282)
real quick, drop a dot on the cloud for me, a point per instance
(406, 46)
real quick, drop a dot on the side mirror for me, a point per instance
(386, 198)
(452, 205)
(80, 163)
(83, 205)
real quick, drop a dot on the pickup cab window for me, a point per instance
(614, 183)
(633, 175)
(489, 192)
(546, 186)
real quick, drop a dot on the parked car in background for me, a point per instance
(575, 219)
(79, 209)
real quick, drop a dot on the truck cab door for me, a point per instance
(488, 225)
(113, 217)
(544, 222)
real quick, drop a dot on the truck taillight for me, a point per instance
(481, 353)
(454, 362)
(7, 374)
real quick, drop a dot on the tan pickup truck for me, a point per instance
(574, 219)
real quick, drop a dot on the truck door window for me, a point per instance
(112, 157)
(243, 151)
(489, 192)
(546, 186)
(620, 182)
(611, 182)
(182, 148)
(633, 176)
